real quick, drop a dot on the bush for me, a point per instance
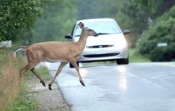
(161, 32)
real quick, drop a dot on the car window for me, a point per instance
(101, 27)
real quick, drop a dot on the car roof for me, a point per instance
(95, 20)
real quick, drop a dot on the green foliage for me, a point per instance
(149, 5)
(161, 32)
(20, 22)
(17, 16)
(57, 20)
(94, 9)
(134, 56)
(167, 15)
(19, 19)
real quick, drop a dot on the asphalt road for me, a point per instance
(133, 87)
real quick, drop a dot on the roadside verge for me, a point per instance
(48, 100)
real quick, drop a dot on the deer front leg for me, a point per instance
(62, 64)
(41, 80)
(73, 62)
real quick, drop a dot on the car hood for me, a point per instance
(110, 39)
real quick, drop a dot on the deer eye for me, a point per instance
(90, 30)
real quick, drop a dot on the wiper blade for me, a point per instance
(103, 33)
(98, 34)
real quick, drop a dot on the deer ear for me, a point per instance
(81, 25)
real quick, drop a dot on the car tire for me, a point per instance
(71, 66)
(123, 61)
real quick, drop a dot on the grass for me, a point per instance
(24, 102)
(135, 57)
(13, 93)
(42, 72)
(10, 87)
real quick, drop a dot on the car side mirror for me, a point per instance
(68, 36)
(125, 32)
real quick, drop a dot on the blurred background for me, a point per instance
(151, 22)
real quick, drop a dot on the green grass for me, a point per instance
(24, 102)
(42, 71)
(135, 57)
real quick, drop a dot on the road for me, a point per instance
(133, 87)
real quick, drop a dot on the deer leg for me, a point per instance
(26, 68)
(73, 62)
(41, 80)
(62, 64)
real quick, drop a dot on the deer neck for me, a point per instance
(82, 41)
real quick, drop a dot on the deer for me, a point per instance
(55, 51)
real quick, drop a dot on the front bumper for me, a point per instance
(102, 54)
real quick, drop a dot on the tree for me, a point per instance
(17, 16)
(147, 5)
(56, 21)
(155, 7)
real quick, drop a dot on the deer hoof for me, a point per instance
(82, 83)
(50, 86)
(43, 83)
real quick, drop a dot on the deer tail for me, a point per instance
(23, 48)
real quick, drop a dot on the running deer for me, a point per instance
(64, 52)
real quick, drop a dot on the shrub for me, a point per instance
(161, 32)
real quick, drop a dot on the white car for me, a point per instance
(110, 44)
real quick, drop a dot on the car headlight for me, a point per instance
(121, 44)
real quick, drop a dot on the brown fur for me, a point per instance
(56, 51)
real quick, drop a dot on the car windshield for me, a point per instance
(101, 27)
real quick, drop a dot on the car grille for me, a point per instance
(99, 46)
(100, 55)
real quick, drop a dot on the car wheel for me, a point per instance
(123, 61)
(71, 66)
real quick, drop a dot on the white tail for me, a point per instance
(23, 48)
(64, 52)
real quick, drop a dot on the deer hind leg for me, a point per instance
(73, 62)
(62, 64)
(41, 80)
(26, 68)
